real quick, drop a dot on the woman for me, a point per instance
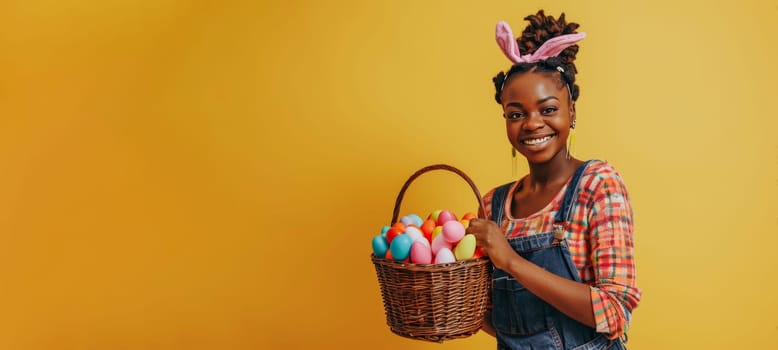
(560, 238)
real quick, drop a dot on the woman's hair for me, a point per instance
(540, 29)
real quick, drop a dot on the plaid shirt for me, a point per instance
(599, 237)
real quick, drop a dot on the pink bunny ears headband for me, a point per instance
(551, 48)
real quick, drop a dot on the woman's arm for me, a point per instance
(570, 297)
(610, 233)
(604, 306)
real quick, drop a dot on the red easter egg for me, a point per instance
(399, 225)
(392, 233)
(388, 255)
(468, 216)
(479, 253)
(426, 228)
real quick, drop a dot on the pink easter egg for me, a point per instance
(445, 216)
(438, 243)
(421, 253)
(453, 231)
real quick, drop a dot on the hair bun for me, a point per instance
(541, 28)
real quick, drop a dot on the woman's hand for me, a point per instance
(492, 241)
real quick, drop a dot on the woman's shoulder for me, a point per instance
(601, 175)
(597, 167)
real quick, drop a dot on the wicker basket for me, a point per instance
(434, 302)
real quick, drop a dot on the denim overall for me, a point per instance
(524, 321)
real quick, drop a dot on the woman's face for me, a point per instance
(538, 115)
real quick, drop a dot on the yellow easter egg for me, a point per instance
(465, 248)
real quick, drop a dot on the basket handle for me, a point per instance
(481, 206)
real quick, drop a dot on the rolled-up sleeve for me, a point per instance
(615, 293)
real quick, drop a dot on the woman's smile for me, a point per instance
(537, 142)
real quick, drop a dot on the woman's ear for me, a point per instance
(572, 115)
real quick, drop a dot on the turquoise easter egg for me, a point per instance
(401, 247)
(380, 246)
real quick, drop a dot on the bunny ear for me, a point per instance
(507, 42)
(554, 46)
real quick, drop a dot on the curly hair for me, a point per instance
(540, 29)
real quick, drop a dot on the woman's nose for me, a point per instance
(534, 122)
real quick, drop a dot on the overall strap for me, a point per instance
(498, 202)
(571, 194)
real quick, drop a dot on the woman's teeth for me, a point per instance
(537, 141)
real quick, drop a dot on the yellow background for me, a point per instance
(209, 174)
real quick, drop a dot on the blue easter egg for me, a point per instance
(418, 219)
(407, 220)
(401, 247)
(380, 246)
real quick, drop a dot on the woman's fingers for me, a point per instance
(480, 229)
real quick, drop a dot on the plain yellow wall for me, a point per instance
(208, 175)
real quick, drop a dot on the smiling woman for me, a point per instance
(560, 238)
(205, 175)
(539, 116)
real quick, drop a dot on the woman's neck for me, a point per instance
(552, 173)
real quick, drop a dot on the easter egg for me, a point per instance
(468, 216)
(388, 255)
(399, 225)
(445, 216)
(444, 256)
(380, 245)
(423, 241)
(421, 253)
(392, 233)
(436, 232)
(434, 215)
(401, 247)
(384, 229)
(479, 253)
(438, 243)
(453, 231)
(417, 219)
(407, 220)
(427, 227)
(414, 233)
(465, 248)
(465, 223)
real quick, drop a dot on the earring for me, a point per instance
(513, 162)
(570, 139)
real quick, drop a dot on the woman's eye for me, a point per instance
(549, 110)
(514, 115)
